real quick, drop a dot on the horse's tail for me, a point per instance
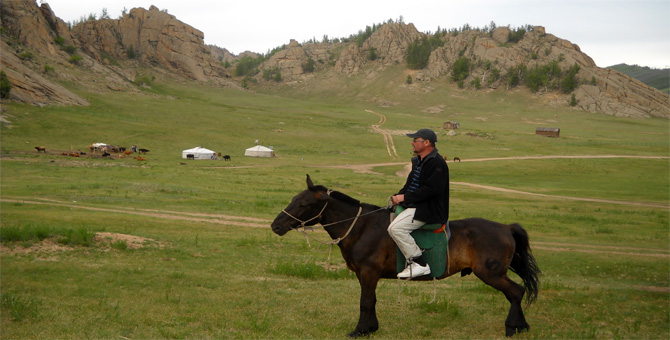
(524, 264)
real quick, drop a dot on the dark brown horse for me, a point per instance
(486, 248)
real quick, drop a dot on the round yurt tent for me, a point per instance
(198, 153)
(259, 151)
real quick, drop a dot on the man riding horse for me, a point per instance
(425, 198)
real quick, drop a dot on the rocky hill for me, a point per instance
(39, 51)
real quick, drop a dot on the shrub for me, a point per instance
(516, 36)
(144, 80)
(308, 67)
(495, 75)
(60, 41)
(573, 100)
(372, 53)
(570, 81)
(26, 55)
(409, 80)
(418, 52)
(69, 49)
(130, 52)
(272, 74)
(514, 75)
(248, 66)
(5, 89)
(75, 58)
(48, 69)
(476, 83)
(460, 70)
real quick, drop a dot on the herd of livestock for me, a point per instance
(104, 150)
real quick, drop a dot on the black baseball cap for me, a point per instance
(426, 134)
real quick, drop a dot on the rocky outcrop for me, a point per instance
(154, 37)
(389, 42)
(113, 50)
(33, 32)
(619, 95)
(29, 86)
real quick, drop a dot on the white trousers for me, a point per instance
(399, 230)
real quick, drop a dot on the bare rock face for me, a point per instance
(289, 61)
(29, 86)
(35, 28)
(32, 26)
(618, 95)
(155, 37)
(390, 44)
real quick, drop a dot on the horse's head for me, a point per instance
(305, 209)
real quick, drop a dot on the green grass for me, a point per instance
(605, 265)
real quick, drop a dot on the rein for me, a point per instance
(319, 215)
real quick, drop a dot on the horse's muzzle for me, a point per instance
(279, 229)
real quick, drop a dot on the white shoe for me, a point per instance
(414, 270)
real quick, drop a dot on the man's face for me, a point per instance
(419, 144)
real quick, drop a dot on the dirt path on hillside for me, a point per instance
(388, 138)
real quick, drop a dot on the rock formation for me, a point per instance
(38, 50)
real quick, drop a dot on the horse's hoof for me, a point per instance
(511, 331)
(357, 334)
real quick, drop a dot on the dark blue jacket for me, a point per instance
(431, 200)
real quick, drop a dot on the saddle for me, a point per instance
(433, 239)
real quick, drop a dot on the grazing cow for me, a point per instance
(92, 148)
(456, 159)
(226, 157)
(144, 151)
(73, 154)
(41, 148)
(127, 152)
(141, 158)
(190, 156)
(105, 154)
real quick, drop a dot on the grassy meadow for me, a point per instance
(210, 267)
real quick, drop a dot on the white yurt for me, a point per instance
(198, 153)
(259, 151)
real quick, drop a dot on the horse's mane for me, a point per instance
(344, 197)
(348, 199)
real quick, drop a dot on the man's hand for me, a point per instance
(397, 199)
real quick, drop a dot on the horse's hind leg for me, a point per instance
(516, 321)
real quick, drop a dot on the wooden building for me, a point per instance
(451, 125)
(549, 132)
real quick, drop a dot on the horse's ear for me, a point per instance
(310, 185)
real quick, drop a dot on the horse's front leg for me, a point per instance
(367, 322)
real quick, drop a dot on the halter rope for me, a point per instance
(334, 241)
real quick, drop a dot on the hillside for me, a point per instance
(46, 61)
(656, 78)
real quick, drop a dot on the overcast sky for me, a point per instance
(610, 32)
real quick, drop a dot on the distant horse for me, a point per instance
(40, 149)
(456, 159)
(190, 156)
(486, 248)
(226, 157)
(144, 151)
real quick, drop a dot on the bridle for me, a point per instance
(319, 215)
(303, 223)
